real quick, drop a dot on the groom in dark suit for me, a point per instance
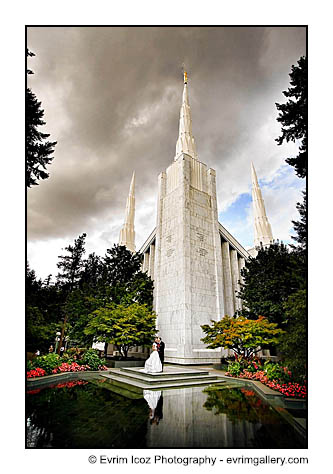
(160, 349)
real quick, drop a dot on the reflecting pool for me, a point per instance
(96, 414)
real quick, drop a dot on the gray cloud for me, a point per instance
(112, 98)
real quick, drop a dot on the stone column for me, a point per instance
(227, 281)
(151, 261)
(241, 265)
(158, 241)
(235, 277)
(145, 262)
(220, 302)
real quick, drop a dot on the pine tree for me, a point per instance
(293, 116)
(301, 226)
(268, 281)
(71, 267)
(38, 148)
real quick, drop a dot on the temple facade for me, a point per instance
(194, 261)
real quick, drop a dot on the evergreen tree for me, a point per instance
(123, 280)
(38, 148)
(268, 281)
(293, 347)
(293, 116)
(120, 265)
(44, 303)
(300, 227)
(92, 273)
(71, 267)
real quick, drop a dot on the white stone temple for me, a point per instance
(194, 261)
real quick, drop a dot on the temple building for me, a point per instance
(194, 261)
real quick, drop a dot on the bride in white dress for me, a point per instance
(153, 363)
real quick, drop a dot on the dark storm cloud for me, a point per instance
(112, 99)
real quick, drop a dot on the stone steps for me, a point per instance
(167, 372)
(143, 384)
(165, 378)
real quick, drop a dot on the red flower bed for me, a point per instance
(289, 389)
(36, 373)
(73, 367)
(64, 367)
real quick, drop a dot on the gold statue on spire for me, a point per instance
(185, 74)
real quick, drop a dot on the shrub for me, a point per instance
(234, 368)
(254, 365)
(91, 358)
(274, 375)
(240, 364)
(67, 358)
(275, 371)
(47, 362)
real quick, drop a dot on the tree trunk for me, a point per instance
(62, 334)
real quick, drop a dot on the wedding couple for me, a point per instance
(155, 362)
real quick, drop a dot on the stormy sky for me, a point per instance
(112, 97)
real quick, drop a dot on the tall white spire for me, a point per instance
(185, 142)
(262, 228)
(127, 233)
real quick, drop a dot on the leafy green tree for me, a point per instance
(244, 336)
(38, 148)
(123, 326)
(293, 116)
(268, 281)
(293, 346)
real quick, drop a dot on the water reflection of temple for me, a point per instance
(186, 423)
(225, 418)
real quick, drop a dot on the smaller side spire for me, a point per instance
(262, 228)
(127, 232)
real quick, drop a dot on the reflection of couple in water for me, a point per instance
(154, 365)
(155, 402)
